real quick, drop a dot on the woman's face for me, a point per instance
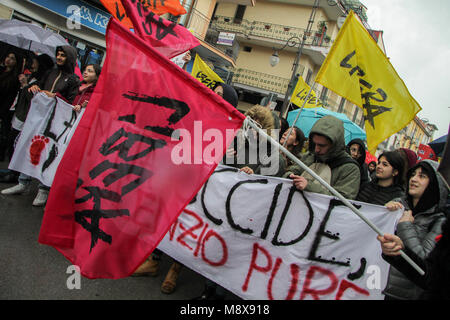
(355, 152)
(10, 60)
(418, 183)
(219, 90)
(384, 169)
(292, 141)
(89, 75)
(35, 65)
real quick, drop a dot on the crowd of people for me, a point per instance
(39, 73)
(397, 180)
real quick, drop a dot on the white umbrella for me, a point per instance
(30, 37)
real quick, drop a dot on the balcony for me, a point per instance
(260, 80)
(269, 31)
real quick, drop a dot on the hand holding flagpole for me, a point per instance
(250, 122)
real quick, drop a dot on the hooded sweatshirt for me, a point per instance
(419, 236)
(62, 79)
(363, 169)
(268, 162)
(24, 98)
(229, 94)
(345, 174)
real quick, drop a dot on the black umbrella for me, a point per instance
(438, 145)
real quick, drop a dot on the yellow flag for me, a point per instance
(299, 95)
(358, 70)
(204, 74)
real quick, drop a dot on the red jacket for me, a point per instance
(81, 96)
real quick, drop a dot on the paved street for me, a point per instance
(30, 270)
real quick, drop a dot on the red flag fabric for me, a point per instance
(167, 37)
(159, 7)
(425, 152)
(120, 184)
(370, 157)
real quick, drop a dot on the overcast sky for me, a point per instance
(417, 41)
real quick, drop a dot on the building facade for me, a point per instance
(417, 132)
(238, 39)
(277, 27)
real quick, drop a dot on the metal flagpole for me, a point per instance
(249, 121)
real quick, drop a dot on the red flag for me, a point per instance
(167, 37)
(370, 157)
(425, 152)
(159, 7)
(118, 188)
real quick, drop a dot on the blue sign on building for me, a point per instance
(78, 11)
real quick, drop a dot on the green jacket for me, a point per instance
(345, 174)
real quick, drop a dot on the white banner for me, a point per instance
(46, 133)
(260, 238)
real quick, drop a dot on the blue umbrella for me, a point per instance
(438, 145)
(309, 116)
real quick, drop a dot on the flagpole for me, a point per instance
(249, 121)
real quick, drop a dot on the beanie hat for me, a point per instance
(411, 156)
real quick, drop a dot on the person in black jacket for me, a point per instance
(388, 182)
(436, 280)
(418, 227)
(10, 68)
(357, 150)
(61, 79)
(39, 66)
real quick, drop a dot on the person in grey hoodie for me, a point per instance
(418, 227)
(327, 158)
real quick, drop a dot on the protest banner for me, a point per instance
(117, 189)
(43, 140)
(261, 238)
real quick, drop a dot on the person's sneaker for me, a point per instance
(41, 198)
(17, 189)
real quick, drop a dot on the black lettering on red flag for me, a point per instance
(97, 213)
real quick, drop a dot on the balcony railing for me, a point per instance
(198, 23)
(268, 30)
(260, 80)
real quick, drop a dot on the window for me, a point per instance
(323, 95)
(87, 53)
(355, 114)
(247, 49)
(308, 77)
(187, 4)
(239, 15)
(341, 105)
